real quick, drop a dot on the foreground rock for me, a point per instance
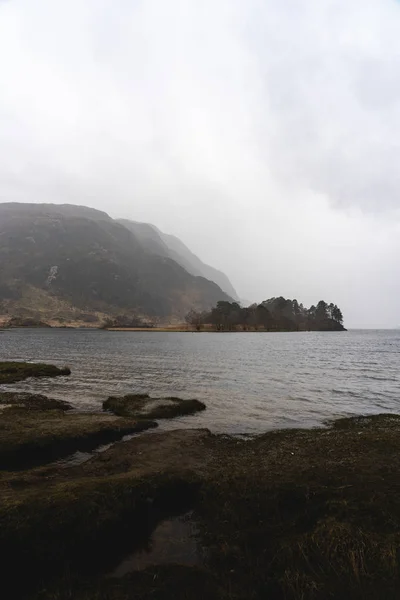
(141, 406)
(11, 372)
(297, 514)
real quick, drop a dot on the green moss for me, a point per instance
(31, 401)
(175, 407)
(11, 372)
(125, 405)
(34, 437)
(367, 421)
(141, 406)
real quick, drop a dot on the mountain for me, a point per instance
(59, 261)
(166, 245)
(148, 237)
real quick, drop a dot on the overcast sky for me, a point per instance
(264, 133)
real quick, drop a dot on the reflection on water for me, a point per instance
(250, 382)
(174, 541)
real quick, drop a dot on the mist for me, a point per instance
(263, 134)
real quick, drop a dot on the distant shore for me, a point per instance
(165, 329)
(209, 330)
(162, 329)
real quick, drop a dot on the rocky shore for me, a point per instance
(292, 514)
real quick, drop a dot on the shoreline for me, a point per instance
(166, 329)
(182, 330)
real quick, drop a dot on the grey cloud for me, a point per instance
(332, 87)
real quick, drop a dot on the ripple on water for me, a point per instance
(249, 382)
(174, 541)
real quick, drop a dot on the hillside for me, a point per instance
(62, 261)
(166, 245)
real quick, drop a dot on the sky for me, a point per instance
(265, 134)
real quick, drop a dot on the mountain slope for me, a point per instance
(192, 263)
(83, 257)
(166, 245)
(148, 236)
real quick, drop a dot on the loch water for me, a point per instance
(251, 382)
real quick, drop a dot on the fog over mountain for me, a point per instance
(264, 135)
(166, 245)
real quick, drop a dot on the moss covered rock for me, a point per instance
(31, 437)
(11, 372)
(142, 406)
(31, 401)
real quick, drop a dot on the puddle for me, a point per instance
(174, 541)
(79, 457)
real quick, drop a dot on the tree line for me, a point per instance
(275, 314)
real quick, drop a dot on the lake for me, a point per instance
(251, 382)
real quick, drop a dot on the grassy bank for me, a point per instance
(35, 430)
(35, 437)
(288, 515)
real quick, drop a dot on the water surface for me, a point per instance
(251, 382)
(174, 541)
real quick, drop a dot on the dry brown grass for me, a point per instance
(290, 515)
